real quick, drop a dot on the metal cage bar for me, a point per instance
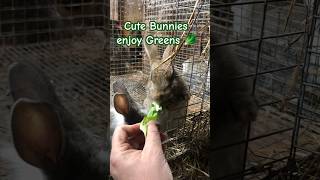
(252, 40)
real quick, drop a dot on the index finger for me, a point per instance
(153, 139)
(122, 133)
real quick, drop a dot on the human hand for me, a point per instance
(131, 158)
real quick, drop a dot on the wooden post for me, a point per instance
(114, 10)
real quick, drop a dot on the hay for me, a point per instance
(187, 152)
(306, 168)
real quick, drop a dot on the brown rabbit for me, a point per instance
(166, 88)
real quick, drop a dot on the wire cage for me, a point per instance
(191, 63)
(275, 41)
(66, 40)
(130, 65)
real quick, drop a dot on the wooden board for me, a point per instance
(114, 13)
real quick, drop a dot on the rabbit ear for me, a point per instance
(37, 133)
(121, 104)
(124, 105)
(26, 81)
(167, 52)
(152, 52)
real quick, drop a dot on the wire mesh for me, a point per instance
(33, 21)
(79, 78)
(125, 59)
(66, 40)
(270, 41)
(130, 65)
(189, 63)
(307, 116)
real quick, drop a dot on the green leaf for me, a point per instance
(191, 39)
(152, 115)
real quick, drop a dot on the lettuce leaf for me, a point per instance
(152, 115)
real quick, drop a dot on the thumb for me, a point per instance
(153, 140)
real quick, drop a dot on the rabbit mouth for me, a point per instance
(167, 100)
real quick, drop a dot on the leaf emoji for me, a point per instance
(191, 39)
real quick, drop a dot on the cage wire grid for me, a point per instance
(308, 104)
(66, 40)
(279, 54)
(30, 32)
(124, 60)
(133, 69)
(130, 65)
(272, 55)
(189, 63)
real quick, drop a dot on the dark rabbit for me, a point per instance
(125, 105)
(234, 107)
(123, 108)
(45, 134)
(166, 88)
